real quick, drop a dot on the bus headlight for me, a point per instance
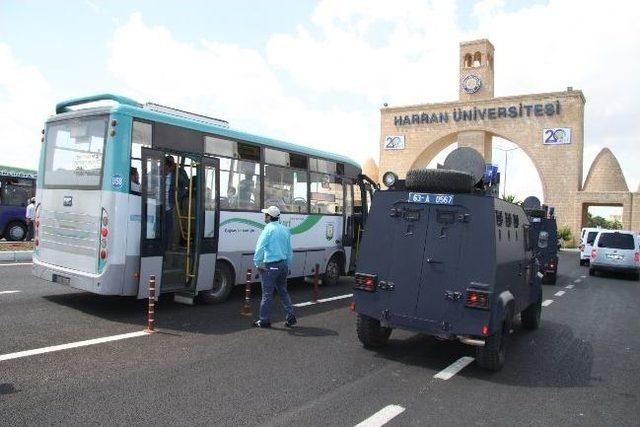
(389, 179)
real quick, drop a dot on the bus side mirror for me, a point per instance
(543, 239)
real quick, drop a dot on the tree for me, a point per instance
(564, 233)
(511, 198)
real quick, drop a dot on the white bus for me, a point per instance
(126, 191)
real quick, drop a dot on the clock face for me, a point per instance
(471, 83)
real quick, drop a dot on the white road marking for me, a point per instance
(308, 303)
(454, 368)
(9, 292)
(77, 344)
(13, 264)
(559, 293)
(382, 417)
(547, 302)
(584, 277)
(569, 286)
(577, 281)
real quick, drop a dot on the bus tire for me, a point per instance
(439, 181)
(223, 282)
(15, 231)
(332, 271)
(492, 355)
(370, 333)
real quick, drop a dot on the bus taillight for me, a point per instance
(36, 228)
(104, 232)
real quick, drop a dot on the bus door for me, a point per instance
(362, 194)
(208, 230)
(173, 217)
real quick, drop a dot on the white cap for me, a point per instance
(272, 211)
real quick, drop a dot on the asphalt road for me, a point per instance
(207, 366)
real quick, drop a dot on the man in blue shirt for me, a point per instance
(272, 258)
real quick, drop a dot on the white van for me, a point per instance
(616, 251)
(587, 236)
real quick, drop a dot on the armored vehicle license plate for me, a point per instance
(437, 199)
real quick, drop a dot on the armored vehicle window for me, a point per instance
(507, 219)
(516, 222)
(499, 218)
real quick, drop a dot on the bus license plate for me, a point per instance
(61, 279)
(437, 199)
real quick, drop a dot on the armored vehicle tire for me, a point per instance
(332, 272)
(439, 180)
(550, 278)
(223, 281)
(370, 333)
(493, 354)
(15, 231)
(530, 316)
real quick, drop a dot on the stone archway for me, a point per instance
(437, 146)
(548, 127)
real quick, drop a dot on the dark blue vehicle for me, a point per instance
(442, 256)
(544, 234)
(17, 186)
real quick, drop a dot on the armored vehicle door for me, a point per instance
(410, 224)
(439, 298)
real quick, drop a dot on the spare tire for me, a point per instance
(439, 181)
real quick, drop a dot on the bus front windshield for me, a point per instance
(74, 150)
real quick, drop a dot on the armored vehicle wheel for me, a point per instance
(530, 316)
(592, 272)
(370, 333)
(332, 272)
(223, 281)
(439, 180)
(493, 354)
(550, 278)
(15, 231)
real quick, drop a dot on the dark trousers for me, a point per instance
(274, 277)
(29, 231)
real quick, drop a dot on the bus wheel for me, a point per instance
(15, 231)
(223, 281)
(332, 273)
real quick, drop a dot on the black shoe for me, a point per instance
(290, 322)
(261, 324)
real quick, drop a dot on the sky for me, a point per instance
(317, 73)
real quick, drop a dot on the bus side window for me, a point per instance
(239, 184)
(326, 194)
(140, 137)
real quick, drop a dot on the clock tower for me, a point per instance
(476, 70)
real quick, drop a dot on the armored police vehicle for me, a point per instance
(441, 255)
(544, 235)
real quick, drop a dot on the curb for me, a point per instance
(16, 256)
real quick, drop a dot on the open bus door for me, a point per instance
(179, 218)
(363, 192)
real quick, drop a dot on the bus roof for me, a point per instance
(17, 172)
(196, 122)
